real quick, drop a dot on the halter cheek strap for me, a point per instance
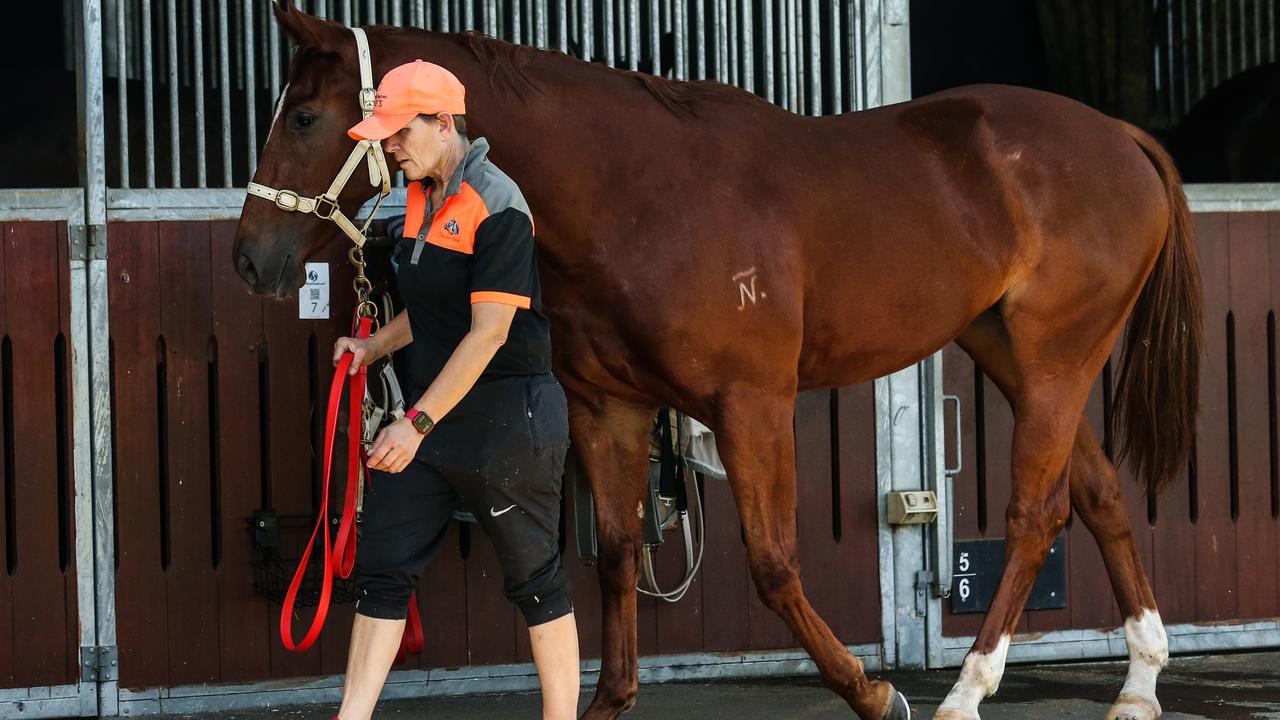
(325, 206)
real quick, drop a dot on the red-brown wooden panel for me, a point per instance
(586, 582)
(1090, 601)
(244, 626)
(815, 503)
(726, 580)
(442, 599)
(1216, 596)
(141, 592)
(192, 584)
(7, 663)
(290, 452)
(958, 378)
(678, 625)
(1274, 234)
(491, 618)
(1250, 259)
(38, 586)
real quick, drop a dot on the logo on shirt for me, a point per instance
(452, 227)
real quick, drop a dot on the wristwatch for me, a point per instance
(421, 421)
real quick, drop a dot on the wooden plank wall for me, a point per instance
(39, 625)
(1211, 543)
(218, 399)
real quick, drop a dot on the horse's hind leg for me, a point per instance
(1096, 496)
(756, 441)
(611, 439)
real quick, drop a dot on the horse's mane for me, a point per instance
(505, 62)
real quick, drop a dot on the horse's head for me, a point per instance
(306, 148)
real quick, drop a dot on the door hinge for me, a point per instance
(99, 663)
(88, 242)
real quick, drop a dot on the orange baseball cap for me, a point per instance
(409, 90)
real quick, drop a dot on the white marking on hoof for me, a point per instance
(1148, 653)
(979, 678)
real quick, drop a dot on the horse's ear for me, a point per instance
(307, 30)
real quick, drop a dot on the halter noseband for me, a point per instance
(325, 205)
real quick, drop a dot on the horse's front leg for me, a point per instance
(611, 439)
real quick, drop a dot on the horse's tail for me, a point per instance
(1158, 393)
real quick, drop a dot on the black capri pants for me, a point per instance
(500, 455)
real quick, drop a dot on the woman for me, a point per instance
(489, 427)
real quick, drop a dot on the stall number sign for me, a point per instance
(978, 564)
(313, 298)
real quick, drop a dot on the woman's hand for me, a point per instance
(365, 352)
(395, 446)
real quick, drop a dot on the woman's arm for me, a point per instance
(490, 323)
(396, 445)
(389, 338)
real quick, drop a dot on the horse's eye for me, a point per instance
(303, 120)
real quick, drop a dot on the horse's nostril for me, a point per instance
(247, 271)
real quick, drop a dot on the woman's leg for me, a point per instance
(555, 652)
(374, 643)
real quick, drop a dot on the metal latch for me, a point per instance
(912, 507)
(99, 663)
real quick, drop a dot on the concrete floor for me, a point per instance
(1217, 687)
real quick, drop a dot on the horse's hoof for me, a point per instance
(1132, 707)
(948, 714)
(898, 708)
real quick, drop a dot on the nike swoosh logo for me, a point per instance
(496, 513)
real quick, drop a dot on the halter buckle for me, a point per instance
(293, 200)
(368, 97)
(325, 207)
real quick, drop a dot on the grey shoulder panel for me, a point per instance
(498, 191)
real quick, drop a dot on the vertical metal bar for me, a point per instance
(748, 40)
(516, 31)
(633, 34)
(588, 30)
(468, 15)
(655, 38)
(122, 92)
(1200, 68)
(562, 25)
(1227, 38)
(833, 63)
(766, 19)
(197, 53)
(681, 42)
(396, 16)
(250, 91)
(815, 57)
(491, 18)
(224, 86)
(171, 31)
(610, 55)
(722, 41)
(872, 87)
(1257, 32)
(1213, 43)
(700, 35)
(148, 98)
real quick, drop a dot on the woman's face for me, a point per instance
(418, 147)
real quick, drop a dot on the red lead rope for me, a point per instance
(343, 551)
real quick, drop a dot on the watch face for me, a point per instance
(421, 422)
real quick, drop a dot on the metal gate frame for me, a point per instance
(81, 697)
(947, 651)
(87, 210)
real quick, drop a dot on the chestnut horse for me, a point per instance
(1025, 226)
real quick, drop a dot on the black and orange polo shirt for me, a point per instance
(477, 246)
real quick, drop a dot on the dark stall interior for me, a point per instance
(1201, 77)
